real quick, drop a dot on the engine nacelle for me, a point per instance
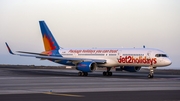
(87, 66)
(129, 68)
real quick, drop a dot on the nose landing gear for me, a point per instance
(151, 72)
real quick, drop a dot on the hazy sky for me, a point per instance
(90, 23)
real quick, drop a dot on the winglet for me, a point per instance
(9, 48)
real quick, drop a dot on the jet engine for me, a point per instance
(129, 68)
(87, 66)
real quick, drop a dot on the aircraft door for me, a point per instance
(119, 54)
(149, 55)
(75, 55)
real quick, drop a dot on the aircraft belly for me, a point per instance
(134, 64)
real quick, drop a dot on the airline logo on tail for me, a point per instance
(48, 43)
(48, 39)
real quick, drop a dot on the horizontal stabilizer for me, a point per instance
(32, 53)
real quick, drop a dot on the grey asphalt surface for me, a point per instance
(17, 84)
(98, 96)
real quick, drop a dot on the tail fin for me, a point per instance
(48, 39)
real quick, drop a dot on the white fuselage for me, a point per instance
(121, 56)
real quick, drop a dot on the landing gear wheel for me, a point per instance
(104, 73)
(107, 73)
(150, 76)
(83, 74)
(151, 72)
(80, 74)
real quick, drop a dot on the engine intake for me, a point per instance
(87, 66)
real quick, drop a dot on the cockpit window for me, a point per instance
(164, 55)
(160, 55)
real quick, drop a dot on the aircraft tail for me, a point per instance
(48, 39)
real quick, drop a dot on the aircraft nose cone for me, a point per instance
(168, 62)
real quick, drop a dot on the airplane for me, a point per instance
(89, 59)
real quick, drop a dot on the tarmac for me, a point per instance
(45, 84)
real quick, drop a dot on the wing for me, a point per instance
(57, 58)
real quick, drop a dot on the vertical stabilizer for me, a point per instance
(48, 39)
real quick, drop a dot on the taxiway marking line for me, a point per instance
(69, 95)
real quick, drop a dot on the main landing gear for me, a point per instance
(107, 73)
(83, 73)
(151, 72)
